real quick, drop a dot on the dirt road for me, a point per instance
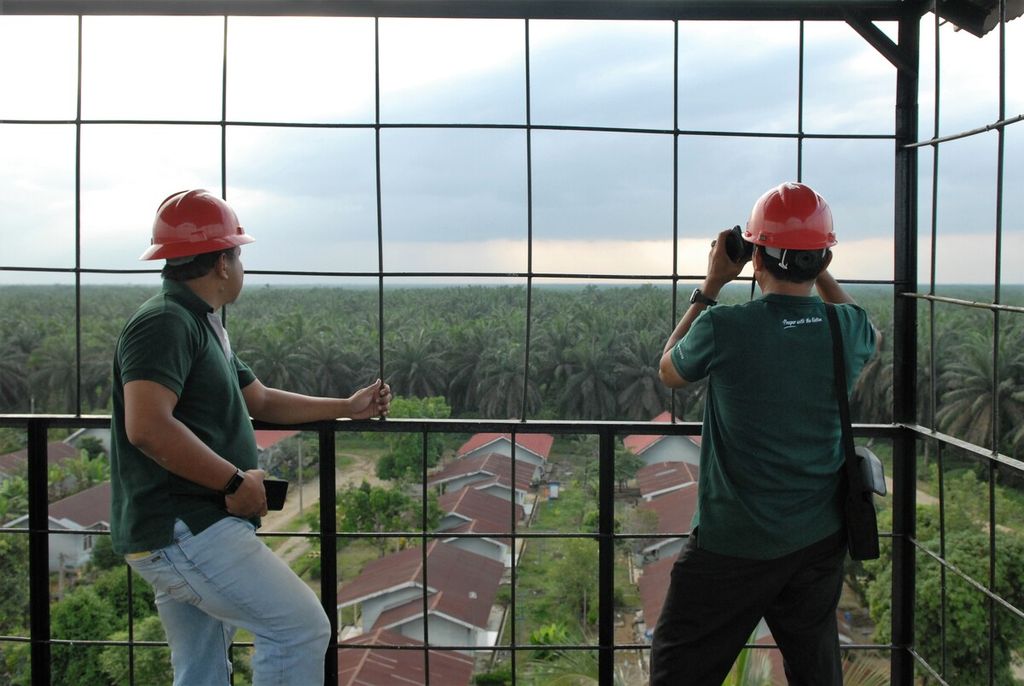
(362, 467)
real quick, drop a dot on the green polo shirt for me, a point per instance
(770, 445)
(169, 340)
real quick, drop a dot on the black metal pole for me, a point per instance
(606, 559)
(905, 353)
(329, 550)
(38, 552)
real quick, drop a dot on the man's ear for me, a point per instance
(828, 260)
(221, 266)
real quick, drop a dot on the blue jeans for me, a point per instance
(208, 585)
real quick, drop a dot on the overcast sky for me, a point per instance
(456, 199)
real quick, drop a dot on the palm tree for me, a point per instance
(968, 406)
(277, 360)
(328, 368)
(13, 379)
(872, 396)
(53, 367)
(590, 389)
(500, 387)
(469, 341)
(560, 333)
(415, 364)
(641, 394)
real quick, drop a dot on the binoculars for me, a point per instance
(736, 248)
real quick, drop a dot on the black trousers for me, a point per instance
(715, 602)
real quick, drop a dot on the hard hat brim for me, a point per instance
(164, 251)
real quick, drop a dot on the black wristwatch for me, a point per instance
(236, 481)
(698, 297)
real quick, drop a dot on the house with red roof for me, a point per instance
(16, 463)
(659, 478)
(489, 472)
(531, 448)
(652, 448)
(85, 511)
(674, 512)
(472, 511)
(361, 663)
(450, 597)
(653, 585)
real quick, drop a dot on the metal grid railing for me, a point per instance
(39, 532)
(906, 432)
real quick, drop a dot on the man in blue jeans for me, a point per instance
(768, 537)
(187, 494)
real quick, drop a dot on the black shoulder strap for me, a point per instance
(839, 371)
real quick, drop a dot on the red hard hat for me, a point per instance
(793, 217)
(193, 223)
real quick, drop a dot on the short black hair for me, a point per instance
(200, 265)
(801, 265)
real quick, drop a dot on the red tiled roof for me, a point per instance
(266, 438)
(638, 443)
(448, 569)
(86, 508)
(466, 607)
(486, 513)
(489, 466)
(663, 476)
(56, 452)
(674, 509)
(539, 444)
(653, 586)
(383, 667)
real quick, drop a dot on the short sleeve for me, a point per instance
(245, 373)
(157, 347)
(692, 355)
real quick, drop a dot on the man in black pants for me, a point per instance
(768, 536)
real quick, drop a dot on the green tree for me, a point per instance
(468, 341)
(330, 368)
(501, 383)
(277, 360)
(54, 373)
(112, 587)
(372, 509)
(416, 364)
(92, 446)
(81, 615)
(968, 408)
(964, 612)
(13, 498)
(627, 464)
(574, 578)
(404, 457)
(589, 391)
(13, 583)
(152, 664)
(103, 555)
(13, 378)
(641, 394)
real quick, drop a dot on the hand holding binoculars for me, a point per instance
(736, 248)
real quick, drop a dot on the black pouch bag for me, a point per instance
(858, 506)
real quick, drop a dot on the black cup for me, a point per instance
(277, 491)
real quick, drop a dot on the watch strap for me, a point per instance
(234, 483)
(698, 297)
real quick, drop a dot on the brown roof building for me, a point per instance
(661, 477)
(459, 586)
(491, 472)
(16, 463)
(386, 667)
